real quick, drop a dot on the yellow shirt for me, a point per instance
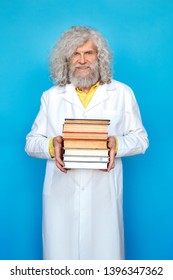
(85, 98)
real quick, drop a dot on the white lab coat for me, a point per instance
(82, 210)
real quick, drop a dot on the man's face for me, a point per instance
(84, 56)
(84, 65)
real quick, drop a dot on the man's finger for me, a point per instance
(111, 159)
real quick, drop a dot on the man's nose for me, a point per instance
(82, 58)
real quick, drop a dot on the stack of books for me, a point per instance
(85, 143)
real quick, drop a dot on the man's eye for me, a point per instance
(89, 53)
(75, 54)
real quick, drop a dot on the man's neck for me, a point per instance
(85, 89)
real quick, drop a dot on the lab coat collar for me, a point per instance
(99, 96)
(71, 96)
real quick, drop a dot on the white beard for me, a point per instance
(84, 81)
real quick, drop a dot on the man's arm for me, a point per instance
(37, 142)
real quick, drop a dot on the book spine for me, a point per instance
(83, 144)
(86, 165)
(86, 158)
(84, 132)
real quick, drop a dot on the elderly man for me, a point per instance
(82, 208)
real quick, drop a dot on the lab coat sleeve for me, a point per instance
(134, 139)
(37, 141)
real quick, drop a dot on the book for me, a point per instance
(90, 121)
(85, 165)
(86, 152)
(86, 158)
(83, 144)
(84, 135)
(84, 127)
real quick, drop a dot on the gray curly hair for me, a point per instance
(66, 46)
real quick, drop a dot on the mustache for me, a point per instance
(82, 66)
(90, 66)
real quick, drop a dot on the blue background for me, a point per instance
(140, 35)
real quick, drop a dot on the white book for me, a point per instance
(86, 158)
(86, 152)
(85, 165)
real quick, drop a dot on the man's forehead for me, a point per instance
(88, 45)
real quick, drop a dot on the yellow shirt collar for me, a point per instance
(85, 98)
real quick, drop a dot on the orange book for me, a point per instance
(77, 127)
(83, 144)
(84, 135)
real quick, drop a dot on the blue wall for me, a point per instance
(140, 35)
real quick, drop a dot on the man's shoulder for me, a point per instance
(54, 90)
(117, 85)
(53, 93)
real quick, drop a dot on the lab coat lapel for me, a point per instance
(72, 97)
(99, 96)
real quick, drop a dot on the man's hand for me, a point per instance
(111, 146)
(57, 142)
